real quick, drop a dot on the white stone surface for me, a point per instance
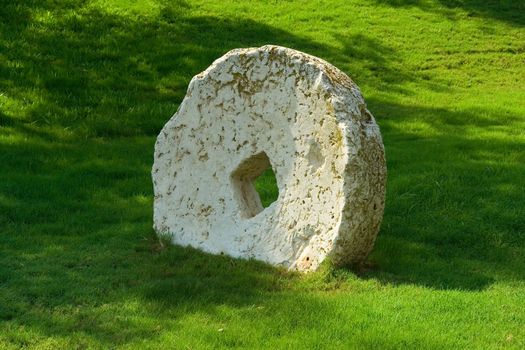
(272, 105)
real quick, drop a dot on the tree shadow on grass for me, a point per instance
(103, 74)
(509, 11)
(85, 96)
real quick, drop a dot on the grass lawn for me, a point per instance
(86, 85)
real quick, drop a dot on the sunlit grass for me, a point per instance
(85, 86)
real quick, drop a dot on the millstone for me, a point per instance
(271, 107)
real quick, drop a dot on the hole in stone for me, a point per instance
(254, 185)
(266, 186)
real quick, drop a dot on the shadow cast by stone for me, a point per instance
(461, 246)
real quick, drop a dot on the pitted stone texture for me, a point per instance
(257, 107)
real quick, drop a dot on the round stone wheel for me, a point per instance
(275, 107)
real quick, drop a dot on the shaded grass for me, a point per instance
(85, 86)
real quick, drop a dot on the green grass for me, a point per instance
(266, 186)
(85, 86)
